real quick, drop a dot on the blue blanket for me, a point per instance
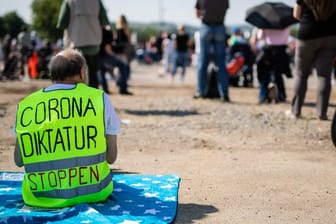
(135, 199)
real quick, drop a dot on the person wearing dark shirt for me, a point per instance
(181, 52)
(158, 44)
(315, 48)
(108, 61)
(213, 36)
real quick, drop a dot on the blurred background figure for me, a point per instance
(25, 49)
(181, 54)
(212, 37)
(159, 40)
(167, 53)
(108, 61)
(122, 46)
(270, 41)
(316, 47)
(273, 62)
(82, 22)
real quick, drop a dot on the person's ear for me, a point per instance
(84, 75)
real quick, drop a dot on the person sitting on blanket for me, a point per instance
(66, 137)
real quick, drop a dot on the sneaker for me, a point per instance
(125, 92)
(323, 118)
(198, 96)
(290, 115)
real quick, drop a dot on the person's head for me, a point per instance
(236, 31)
(181, 28)
(121, 22)
(24, 28)
(68, 66)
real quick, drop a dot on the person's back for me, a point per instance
(310, 27)
(82, 21)
(322, 9)
(213, 11)
(84, 28)
(181, 42)
(63, 138)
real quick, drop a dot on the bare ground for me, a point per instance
(239, 162)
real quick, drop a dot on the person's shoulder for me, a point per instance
(85, 86)
(33, 95)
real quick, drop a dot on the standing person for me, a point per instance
(316, 46)
(6, 47)
(272, 62)
(82, 21)
(25, 47)
(181, 43)
(167, 53)
(66, 137)
(123, 39)
(158, 43)
(212, 36)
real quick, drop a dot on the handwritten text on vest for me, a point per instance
(65, 138)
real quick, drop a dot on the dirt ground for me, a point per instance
(239, 162)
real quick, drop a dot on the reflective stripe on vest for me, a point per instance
(61, 135)
(65, 163)
(71, 193)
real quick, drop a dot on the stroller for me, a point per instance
(235, 68)
(240, 65)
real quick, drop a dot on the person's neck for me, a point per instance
(72, 80)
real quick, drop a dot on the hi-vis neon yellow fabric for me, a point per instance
(62, 141)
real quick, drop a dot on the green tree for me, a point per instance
(45, 15)
(12, 23)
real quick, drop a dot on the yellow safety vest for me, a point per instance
(61, 134)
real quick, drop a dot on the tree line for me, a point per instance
(44, 20)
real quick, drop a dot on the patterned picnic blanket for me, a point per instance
(136, 199)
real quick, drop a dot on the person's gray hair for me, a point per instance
(67, 63)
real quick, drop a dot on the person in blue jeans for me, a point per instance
(212, 37)
(108, 60)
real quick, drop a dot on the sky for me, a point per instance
(176, 11)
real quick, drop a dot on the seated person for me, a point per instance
(109, 60)
(66, 137)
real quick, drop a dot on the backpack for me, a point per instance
(322, 9)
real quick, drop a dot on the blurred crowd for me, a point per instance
(26, 56)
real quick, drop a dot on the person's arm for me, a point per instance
(198, 13)
(108, 49)
(17, 155)
(112, 149)
(112, 129)
(254, 40)
(103, 18)
(64, 16)
(297, 11)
